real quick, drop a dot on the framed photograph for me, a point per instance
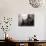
(26, 20)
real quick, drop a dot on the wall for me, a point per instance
(11, 8)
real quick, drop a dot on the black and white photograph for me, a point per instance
(26, 20)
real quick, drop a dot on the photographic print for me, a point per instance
(26, 20)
